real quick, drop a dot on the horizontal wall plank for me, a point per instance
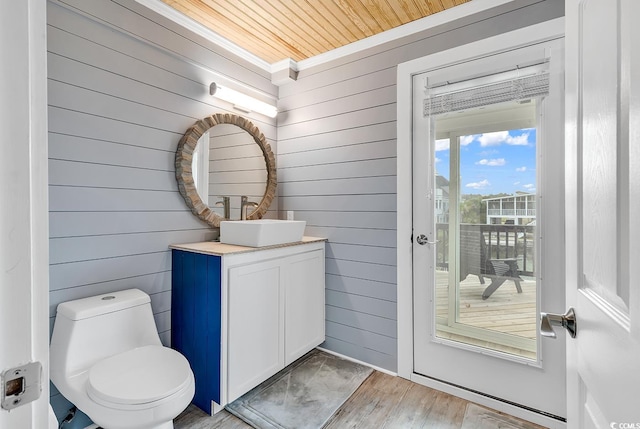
(95, 79)
(365, 339)
(367, 288)
(100, 129)
(364, 203)
(161, 302)
(338, 170)
(362, 304)
(80, 50)
(370, 254)
(66, 198)
(382, 131)
(237, 164)
(359, 118)
(157, 37)
(359, 185)
(361, 270)
(363, 321)
(75, 249)
(337, 89)
(102, 270)
(93, 151)
(235, 152)
(74, 173)
(355, 236)
(241, 176)
(84, 100)
(163, 321)
(254, 191)
(340, 106)
(75, 224)
(356, 152)
(344, 219)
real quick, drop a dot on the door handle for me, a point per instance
(566, 320)
(423, 239)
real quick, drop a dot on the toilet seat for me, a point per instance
(140, 376)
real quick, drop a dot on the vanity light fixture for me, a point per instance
(242, 101)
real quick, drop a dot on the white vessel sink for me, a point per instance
(262, 232)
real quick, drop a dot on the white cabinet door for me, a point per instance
(304, 304)
(255, 348)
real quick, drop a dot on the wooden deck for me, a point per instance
(506, 311)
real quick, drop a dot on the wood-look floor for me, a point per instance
(382, 401)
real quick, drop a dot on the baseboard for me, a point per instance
(496, 404)
(331, 352)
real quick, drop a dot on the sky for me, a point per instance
(493, 163)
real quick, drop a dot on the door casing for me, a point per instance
(520, 38)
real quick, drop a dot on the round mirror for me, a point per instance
(225, 155)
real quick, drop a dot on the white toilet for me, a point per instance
(107, 359)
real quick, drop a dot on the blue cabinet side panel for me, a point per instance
(195, 320)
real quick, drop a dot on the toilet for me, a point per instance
(107, 359)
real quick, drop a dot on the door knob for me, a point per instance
(567, 321)
(423, 239)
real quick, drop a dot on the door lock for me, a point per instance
(423, 239)
(567, 321)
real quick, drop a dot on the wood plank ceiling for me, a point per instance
(274, 30)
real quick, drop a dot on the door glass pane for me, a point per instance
(485, 213)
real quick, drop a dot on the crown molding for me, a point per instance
(279, 68)
(441, 18)
(184, 21)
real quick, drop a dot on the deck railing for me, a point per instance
(503, 241)
(512, 212)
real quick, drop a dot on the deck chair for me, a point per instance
(476, 260)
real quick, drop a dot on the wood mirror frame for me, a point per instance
(184, 158)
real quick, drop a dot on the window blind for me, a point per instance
(513, 89)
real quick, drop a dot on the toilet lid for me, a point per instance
(139, 376)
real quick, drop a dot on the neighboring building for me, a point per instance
(442, 199)
(517, 209)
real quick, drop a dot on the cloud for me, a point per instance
(497, 162)
(488, 152)
(521, 169)
(467, 140)
(529, 187)
(438, 159)
(442, 145)
(516, 183)
(500, 137)
(479, 185)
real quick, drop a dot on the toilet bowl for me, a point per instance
(107, 359)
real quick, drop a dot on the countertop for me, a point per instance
(221, 249)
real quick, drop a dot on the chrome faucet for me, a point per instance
(244, 203)
(226, 205)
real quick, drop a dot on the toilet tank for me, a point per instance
(90, 329)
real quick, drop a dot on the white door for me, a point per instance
(603, 205)
(24, 264)
(475, 325)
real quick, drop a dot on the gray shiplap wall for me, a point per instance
(337, 171)
(124, 85)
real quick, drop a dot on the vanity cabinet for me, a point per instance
(263, 308)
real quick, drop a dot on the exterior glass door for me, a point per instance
(484, 207)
